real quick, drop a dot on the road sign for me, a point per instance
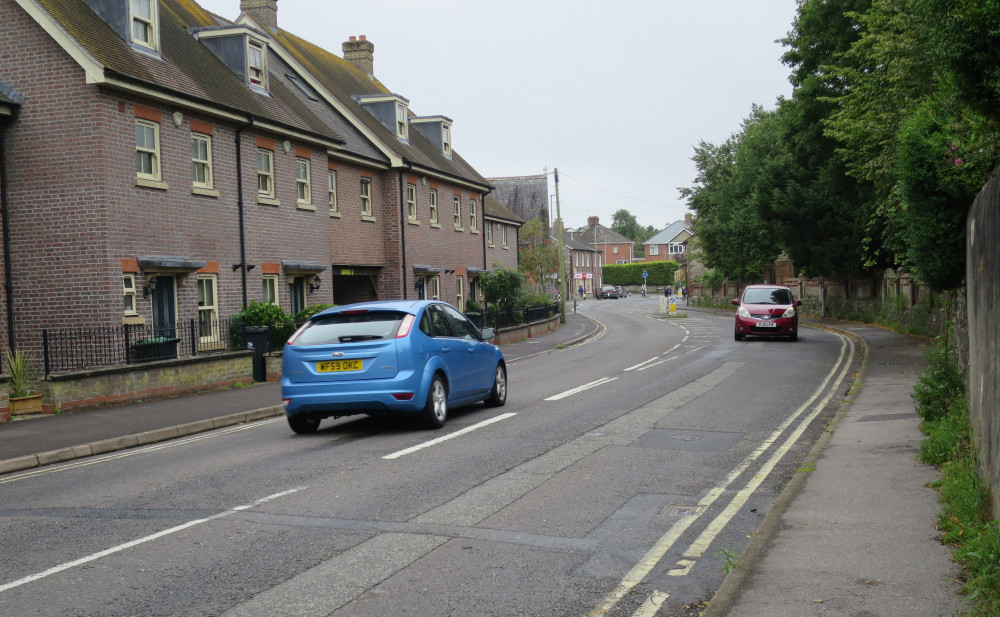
(645, 274)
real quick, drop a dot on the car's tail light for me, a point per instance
(404, 328)
(286, 401)
(403, 396)
(295, 335)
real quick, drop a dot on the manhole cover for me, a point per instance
(888, 416)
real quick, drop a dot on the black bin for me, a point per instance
(256, 338)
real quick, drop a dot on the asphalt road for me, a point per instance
(620, 479)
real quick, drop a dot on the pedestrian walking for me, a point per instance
(581, 292)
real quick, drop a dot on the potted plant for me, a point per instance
(23, 393)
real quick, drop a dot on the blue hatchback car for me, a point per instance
(412, 356)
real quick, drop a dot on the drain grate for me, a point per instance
(889, 416)
(688, 437)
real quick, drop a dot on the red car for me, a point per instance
(767, 310)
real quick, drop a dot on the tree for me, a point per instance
(538, 254)
(502, 287)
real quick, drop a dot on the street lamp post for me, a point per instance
(563, 287)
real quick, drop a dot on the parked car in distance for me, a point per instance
(621, 292)
(608, 292)
(418, 357)
(767, 310)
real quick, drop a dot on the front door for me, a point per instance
(165, 307)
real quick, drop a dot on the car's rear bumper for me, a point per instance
(347, 397)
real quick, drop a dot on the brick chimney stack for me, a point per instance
(264, 11)
(687, 218)
(360, 52)
(593, 221)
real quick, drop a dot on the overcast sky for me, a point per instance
(615, 94)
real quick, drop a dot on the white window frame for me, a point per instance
(473, 216)
(456, 203)
(432, 206)
(614, 249)
(435, 291)
(446, 139)
(149, 23)
(411, 202)
(503, 235)
(402, 125)
(331, 187)
(265, 174)
(208, 308)
(366, 197)
(129, 294)
(269, 289)
(256, 71)
(460, 292)
(676, 248)
(303, 183)
(489, 233)
(199, 162)
(654, 249)
(143, 150)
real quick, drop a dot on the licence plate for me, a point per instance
(766, 324)
(336, 366)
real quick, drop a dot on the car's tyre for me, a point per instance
(436, 410)
(794, 337)
(738, 336)
(303, 424)
(498, 394)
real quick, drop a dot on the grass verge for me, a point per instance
(966, 520)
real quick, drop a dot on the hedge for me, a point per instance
(660, 273)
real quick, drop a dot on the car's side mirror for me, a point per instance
(487, 333)
(798, 303)
(735, 301)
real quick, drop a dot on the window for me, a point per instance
(411, 201)
(473, 216)
(297, 292)
(366, 197)
(503, 235)
(270, 289)
(331, 185)
(401, 124)
(265, 173)
(432, 206)
(457, 204)
(147, 150)
(256, 63)
(460, 293)
(435, 287)
(446, 139)
(489, 233)
(302, 185)
(208, 310)
(144, 18)
(128, 285)
(676, 248)
(201, 160)
(614, 249)
(654, 249)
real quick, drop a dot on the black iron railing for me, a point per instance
(499, 318)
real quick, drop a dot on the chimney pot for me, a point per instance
(364, 38)
(354, 38)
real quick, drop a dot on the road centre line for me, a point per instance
(95, 460)
(655, 554)
(586, 386)
(143, 540)
(658, 363)
(434, 442)
(635, 366)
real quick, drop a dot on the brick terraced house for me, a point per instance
(164, 165)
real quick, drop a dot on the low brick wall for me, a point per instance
(124, 384)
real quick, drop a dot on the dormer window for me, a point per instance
(402, 131)
(446, 139)
(256, 63)
(144, 23)
(437, 130)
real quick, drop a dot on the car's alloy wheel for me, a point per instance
(303, 424)
(436, 410)
(498, 394)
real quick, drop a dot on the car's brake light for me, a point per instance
(402, 396)
(404, 328)
(354, 312)
(295, 335)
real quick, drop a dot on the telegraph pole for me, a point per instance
(562, 264)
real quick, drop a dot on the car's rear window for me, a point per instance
(767, 296)
(351, 328)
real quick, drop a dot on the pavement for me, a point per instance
(854, 536)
